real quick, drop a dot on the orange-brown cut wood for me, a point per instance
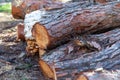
(47, 71)
(82, 77)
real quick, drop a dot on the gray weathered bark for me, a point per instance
(70, 61)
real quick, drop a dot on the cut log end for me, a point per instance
(45, 68)
(20, 32)
(41, 36)
(17, 13)
(41, 41)
(82, 77)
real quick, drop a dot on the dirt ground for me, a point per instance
(14, 64)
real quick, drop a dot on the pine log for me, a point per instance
(21, 7)
(70, 61)
(71, 20)
(95, 42)
(106, 59)
(99, 75)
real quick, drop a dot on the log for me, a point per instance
(99, 75)
(101, 1)
(69, 21)
(68, 61)
(21, 7)
(98, 41)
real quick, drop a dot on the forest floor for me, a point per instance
(14, 64)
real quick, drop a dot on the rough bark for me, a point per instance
(72, 58)
(53, 31)
(106, 59)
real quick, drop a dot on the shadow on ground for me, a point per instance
(14, 63)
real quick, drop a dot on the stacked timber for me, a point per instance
(72, 37)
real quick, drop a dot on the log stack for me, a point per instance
(81, 29)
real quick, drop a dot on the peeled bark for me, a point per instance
(70, 61)
(53, 31)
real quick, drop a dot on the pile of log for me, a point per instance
(74, 40)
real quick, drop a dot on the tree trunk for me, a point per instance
(69, 21)
(99, 51)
